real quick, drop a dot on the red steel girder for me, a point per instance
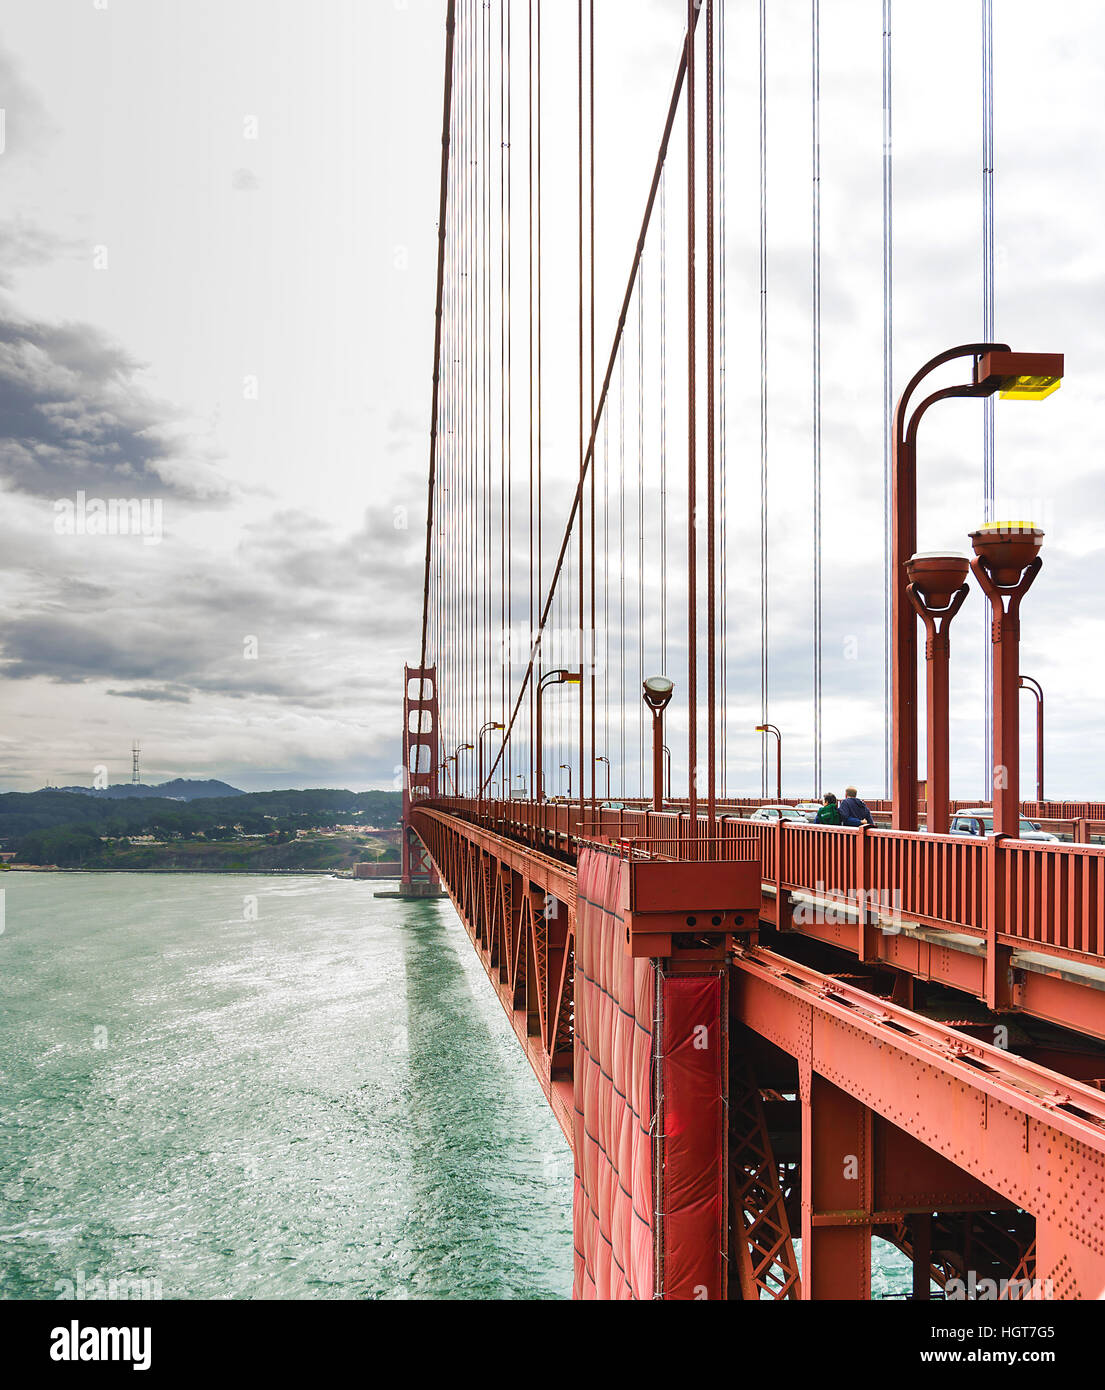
(1036, 1138)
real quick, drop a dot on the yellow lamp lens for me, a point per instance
(1029, 388)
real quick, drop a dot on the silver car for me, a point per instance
(981, 822)
(777, 813)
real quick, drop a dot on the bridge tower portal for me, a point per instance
(420, 752)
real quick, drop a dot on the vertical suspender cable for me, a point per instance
(692, 437)
(621, 564)
(591, 354)
(723, 574)
(606, 672)
(584, 419)
(534, 776)
(664, 420)
(645, 790)
(711, 443)
(507, 778)
(887, 368)
(988, 337)
(815, 101)
(764, 632)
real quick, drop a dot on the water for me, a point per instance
(224, 1087)
(264, 1088)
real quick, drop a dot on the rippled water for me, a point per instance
(326, 1101)
(268, 1088)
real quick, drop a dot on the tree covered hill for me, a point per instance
(49, 827)
(180, 789)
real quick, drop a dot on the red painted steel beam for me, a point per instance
(1035, 1137)
(534, 997)
(1007, 897)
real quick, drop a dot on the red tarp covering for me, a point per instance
(693, 1078)
(613, 1093)
(616, 1136)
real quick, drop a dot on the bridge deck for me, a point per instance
(1019, 925)
(1032, 1137)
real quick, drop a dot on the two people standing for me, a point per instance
(850, 811)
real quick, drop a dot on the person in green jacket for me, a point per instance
(830, 812)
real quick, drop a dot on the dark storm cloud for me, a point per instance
(296, 595)
(73, 416)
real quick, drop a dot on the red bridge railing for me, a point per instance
(1026, 894)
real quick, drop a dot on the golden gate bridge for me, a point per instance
(767, 1041)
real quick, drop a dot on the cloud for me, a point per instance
(154, 695)
(28, 126)
(23, 244)
(75, 415)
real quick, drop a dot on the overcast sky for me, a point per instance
(217, 257)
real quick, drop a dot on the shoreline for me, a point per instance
(223, 873)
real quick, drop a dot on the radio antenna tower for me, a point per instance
(136, 779)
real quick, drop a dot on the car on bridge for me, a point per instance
(981, 822)
(777, 813)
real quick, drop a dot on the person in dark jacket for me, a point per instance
(830, 812)
(853, 811)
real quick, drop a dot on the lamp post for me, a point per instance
(461, 748)
(1027, 683)
(1007, 561)
(521, 777)
(487, 728)
(667, 760)
(607, 762)
(567, 767)
(937, 589)
(1018, 376)
(771, 729)
(658, 691)
(558, 677)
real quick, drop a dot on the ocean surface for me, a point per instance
(277, 1088)
(264, 1088)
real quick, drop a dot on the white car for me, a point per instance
(809, 809)
(981, 822)
(777, 813)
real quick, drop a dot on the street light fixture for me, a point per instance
(937, 589)
(461, 748)
(667, 759)
(607, 762)
(1027, 683)
(771, 729)
(1007, 561)
(658, 691)
(487, 728)
(568, 768)
(558, 677)
(1017, 376)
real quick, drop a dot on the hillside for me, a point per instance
(179, 789)
(69, 829)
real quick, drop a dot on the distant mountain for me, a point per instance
(180, 789)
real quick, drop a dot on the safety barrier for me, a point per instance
(1016, 892)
